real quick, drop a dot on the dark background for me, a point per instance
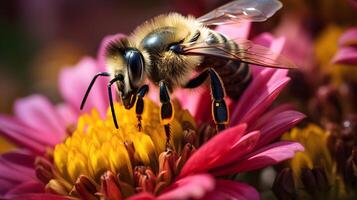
(38, 37)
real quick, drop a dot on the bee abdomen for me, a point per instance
(235, 75)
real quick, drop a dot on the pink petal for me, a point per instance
(273, 128)
(348, 38)
(37, 112)
(37, 196)
(235, 31)
(271, 113)
(244, 146)
(20, 157)
(26, 187)
(67, 113)
(346, 55)
(269, 155)
(227, 189)
(74, 82)
(259, 95)
(274, 44)
(142, 196)
(105, 42)
(190, 187)
(14, 173)
(23, 135)
(204, 158)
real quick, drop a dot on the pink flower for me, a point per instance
(348, 48)
(248, 144)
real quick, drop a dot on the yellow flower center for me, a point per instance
(96, 146)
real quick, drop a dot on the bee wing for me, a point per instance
(247, 52)
(240, 10)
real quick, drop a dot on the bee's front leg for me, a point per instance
(139, 106)
(219, 108)
(166, 111)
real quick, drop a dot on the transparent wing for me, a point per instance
(240, 10)
(247, 52)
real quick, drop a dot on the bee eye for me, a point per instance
(176, 48)
(135, 62)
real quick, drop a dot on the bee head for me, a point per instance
(128, 63)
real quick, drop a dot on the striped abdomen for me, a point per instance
(235, 75)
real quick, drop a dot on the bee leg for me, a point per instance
(166, 111)
(219, 108)
(139, 107)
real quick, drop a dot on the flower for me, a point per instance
(325, 169)
(93, 159)
(347, 53)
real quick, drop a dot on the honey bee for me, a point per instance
(168, 49)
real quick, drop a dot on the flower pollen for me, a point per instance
(98, 159)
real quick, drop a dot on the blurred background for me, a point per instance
(38, 37)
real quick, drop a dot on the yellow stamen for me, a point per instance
(96, 146)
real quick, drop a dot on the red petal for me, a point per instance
(269, 155)
(276, 125)
(226, 189)
(204, 158)
(190, 187)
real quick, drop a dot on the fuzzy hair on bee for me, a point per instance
(169, 48)
(160, 62)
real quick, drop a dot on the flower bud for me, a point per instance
(283, 186)
(206, 132)
(43, 170)
(85, 188)
(110, 187)
(315, 181)
(145, 179)
(167, 165)
(56, 186)
(188, 150)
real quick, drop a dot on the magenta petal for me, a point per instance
(227, 189)
(22, 135)
(37, 196)
(27, 187)
(37, 112)
(142, 196)
(20, 157)
(348, 38)
(277, 125)
(244, 146)
(269, 155)
(204, 158)
(346, 55)
(259, 96)
(73, 88)
(15, 173)
(190, 187)
(67, 113)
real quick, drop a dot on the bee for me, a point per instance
(168, 49)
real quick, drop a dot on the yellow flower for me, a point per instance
(316, 153)
(96, 147)
(326, 47)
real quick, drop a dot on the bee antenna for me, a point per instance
(119, 77)
(90, 87)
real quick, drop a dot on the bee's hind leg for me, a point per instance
(166, 111)
(139, 107)
(219, 108)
